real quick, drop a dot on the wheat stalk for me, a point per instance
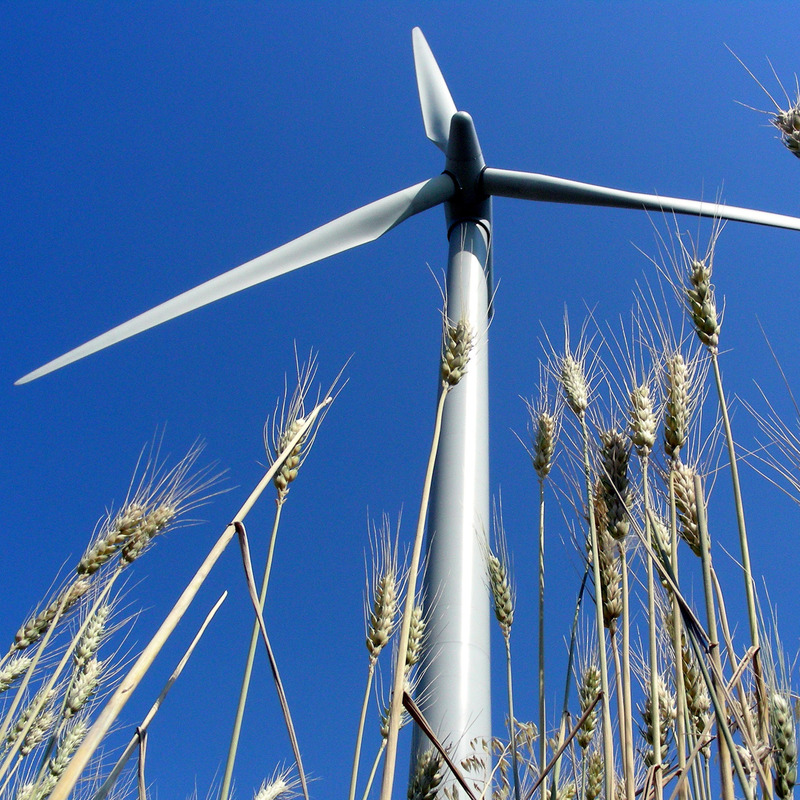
(458, 341)
(575, 385)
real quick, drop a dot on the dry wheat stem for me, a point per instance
(722, 722)
(251, 585)
(375, 764)
(651, 629)
(570, 660)
(692, 630)
(741, 712)
(737, 495)
(142, 664)
(748, 729)
(677, 636)
(109, 782)
(622, 719)
(233, 745)
(744, 548)
(735, 681)
(411, 584)
(416, 714)
(705, 551)
(608, 749)
(511, 722)
(627, 745)
(141, 785)
(360, 735)
(541, 676)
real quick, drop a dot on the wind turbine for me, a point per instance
(458, 668)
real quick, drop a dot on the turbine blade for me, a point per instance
(530, 186)
(351, 230)
(434, 96)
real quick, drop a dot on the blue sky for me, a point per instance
(145, 149)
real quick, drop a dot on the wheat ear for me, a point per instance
(381, 622)
(281, 786)
(588, 689)
(426, 776)
(13, 670)
(665, 710)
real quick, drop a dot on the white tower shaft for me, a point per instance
(455, 687)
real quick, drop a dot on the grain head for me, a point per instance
(426, 776)
(614, 484)
(457, 342)
(685, 503)
(643, 421)
(281, 786)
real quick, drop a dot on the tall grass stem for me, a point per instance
(652, 635)
(396, 702)
(608, 741)
(109, 782)
(677, 637)
(360, 735)
(542, 709)
(726, 781)
(273, 664)
(248, 666)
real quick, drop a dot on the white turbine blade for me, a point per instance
(358, 227)
(530, 186)
(434, 96)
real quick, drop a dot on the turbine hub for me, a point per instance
(464, 165)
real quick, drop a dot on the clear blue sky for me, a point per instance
(145, 149)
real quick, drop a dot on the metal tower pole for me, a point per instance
(454, 690)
